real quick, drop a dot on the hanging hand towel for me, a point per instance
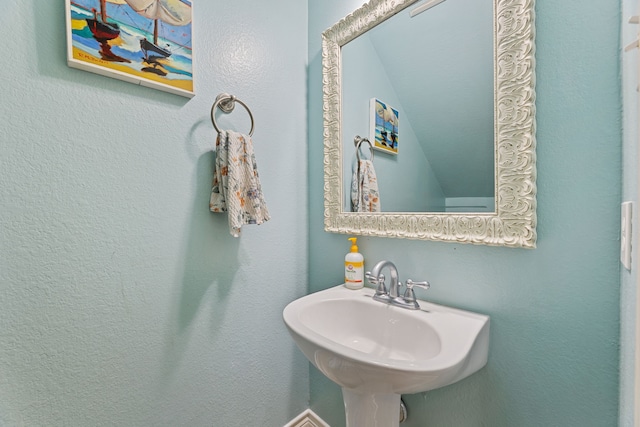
(236, 186)
(364, 188)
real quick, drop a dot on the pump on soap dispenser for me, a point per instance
(354, 267)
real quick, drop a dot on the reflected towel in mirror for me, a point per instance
(365, 196)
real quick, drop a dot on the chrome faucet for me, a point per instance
(392, 295)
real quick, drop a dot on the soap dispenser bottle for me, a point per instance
(354, 267)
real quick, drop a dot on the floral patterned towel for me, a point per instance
(364, 188)
(236, 186)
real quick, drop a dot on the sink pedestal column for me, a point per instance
(371, 410)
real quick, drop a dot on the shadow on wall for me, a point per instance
(211, 255)
(210, 259)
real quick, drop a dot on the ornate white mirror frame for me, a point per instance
(513, 223)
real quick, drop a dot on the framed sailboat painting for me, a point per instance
(146, 42)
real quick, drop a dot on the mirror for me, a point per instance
(444, 146)
(464, 107)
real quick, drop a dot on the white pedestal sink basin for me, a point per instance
(376, 352)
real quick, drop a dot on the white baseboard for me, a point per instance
(307, 418)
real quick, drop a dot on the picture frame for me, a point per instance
(132, 41)
(384, 130)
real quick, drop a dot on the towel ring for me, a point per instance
(227, 103)
(357, 142)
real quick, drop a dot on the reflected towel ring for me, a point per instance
(226, 103)
(357, 142)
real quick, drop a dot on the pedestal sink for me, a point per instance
(376, 352)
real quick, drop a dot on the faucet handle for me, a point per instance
(379, 281)
(424, 285)
(409, 295)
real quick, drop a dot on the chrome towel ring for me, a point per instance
(227, 103)
(358, 142)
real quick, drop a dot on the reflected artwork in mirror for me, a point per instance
(460, 78)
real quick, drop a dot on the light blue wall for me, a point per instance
(628, 287)
(123, 300)
(554, 310)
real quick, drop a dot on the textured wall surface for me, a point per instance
(123, 300)
(554, 310)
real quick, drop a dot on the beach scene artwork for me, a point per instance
(384, 126)
(146, 42)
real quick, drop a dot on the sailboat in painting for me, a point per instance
(103, 31)
(100, 27)
(172, 12)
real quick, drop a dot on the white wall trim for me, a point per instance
(636, 397)
(308, 418)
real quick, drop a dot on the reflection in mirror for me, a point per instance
(436, 70)
(508, 122)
